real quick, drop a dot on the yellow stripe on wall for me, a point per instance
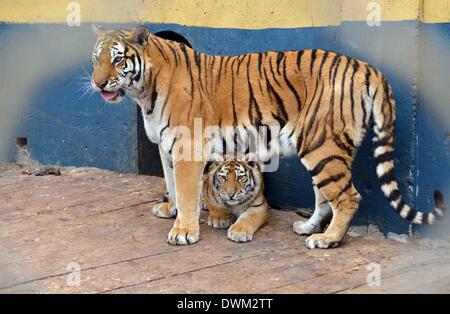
(390, 10)
(245, 14)
(435, 11)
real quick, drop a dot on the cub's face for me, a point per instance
(117, 62)
(235, 181)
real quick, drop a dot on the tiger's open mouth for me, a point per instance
(112, 96)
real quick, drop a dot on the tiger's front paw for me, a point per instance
(164, 210)
(183, 236)
(321, 241)
(220, 221)
(240, 233)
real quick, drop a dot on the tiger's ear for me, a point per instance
(209, 166)
(140, 35)
(97, 29)
(213, 162)
(252, 160)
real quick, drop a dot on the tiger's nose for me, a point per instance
(101, 84)
(230, 194)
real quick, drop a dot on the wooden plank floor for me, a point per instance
(101, 221)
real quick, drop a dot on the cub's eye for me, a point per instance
(117, 60)
(241, 176)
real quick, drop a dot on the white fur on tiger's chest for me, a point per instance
(153, 124)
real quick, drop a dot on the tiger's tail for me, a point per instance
(383, 114)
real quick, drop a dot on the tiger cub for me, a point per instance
(233, 191)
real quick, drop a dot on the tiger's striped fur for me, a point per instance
(323, 102)
(234, 189)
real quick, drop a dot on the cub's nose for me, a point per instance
(231, 194)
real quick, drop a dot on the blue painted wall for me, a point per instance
(41, 71)
(66, 128)
(433, 121)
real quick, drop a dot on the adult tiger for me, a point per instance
(323, 102)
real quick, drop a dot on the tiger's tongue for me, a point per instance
(108, 95)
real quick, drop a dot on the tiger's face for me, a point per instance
(236, 182)
(118, 63)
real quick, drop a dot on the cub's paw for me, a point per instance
(305, 228)
(240, 233)
(220, 221)
(321, 241)
(164, 210)
(182, 236)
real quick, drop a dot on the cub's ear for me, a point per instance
(213, 162)
(140, 35)
(209, 166)
(97, 29)
(252, 160)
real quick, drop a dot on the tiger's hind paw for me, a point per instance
(305, 228)
(164, 210)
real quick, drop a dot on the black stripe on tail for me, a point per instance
(383, 145)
